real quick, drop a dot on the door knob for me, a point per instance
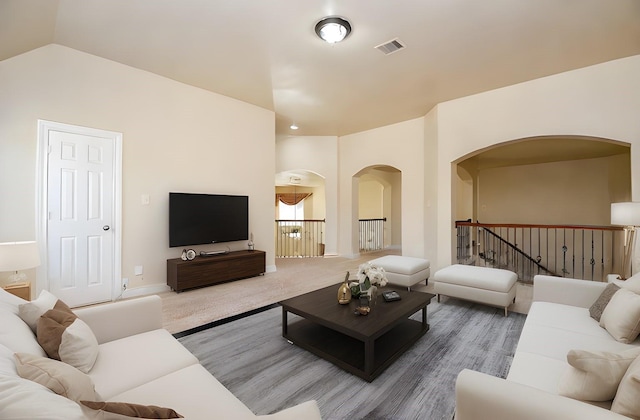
(105, 227)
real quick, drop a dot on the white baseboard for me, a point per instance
(271, 269)
(145, 290)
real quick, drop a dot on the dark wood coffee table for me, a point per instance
(362, 345)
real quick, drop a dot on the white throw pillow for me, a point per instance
(621, 317)
(595, 375)
(61, 378)
(66, 337)
(626, 401)
(632, 283)
(31, 311)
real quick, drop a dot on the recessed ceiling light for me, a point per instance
(333, 29)
(293, 127)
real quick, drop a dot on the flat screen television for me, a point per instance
(196, 219)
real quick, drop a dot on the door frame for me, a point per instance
(42, 209)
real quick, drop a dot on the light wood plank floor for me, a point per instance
(293, 276)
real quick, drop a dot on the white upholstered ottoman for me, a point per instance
(492, 286)
(404, 271)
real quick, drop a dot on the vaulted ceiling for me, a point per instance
(265, 52)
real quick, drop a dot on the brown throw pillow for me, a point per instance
(598, 306)
(65, 337)
(133, 410)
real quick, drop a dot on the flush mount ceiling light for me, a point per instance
(333, 29)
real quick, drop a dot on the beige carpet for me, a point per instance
(293, 276)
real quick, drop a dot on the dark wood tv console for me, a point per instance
(205, 271)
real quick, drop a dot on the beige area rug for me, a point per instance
(293, 277)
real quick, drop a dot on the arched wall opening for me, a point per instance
(549, 180)
(378, 208)
(300, 213)
(564, 185)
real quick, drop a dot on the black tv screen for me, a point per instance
(196, 219)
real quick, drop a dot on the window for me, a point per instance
(294, 212)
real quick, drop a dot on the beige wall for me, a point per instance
(175, 138)
(400, 146)
(598, 101)
(371, 198)
(577, 192)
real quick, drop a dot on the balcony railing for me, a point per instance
(584, 252)
(299, 238)
(371, 234)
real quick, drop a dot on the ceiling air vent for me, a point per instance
(390, 47)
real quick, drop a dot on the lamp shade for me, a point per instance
(16, 256)
(625, 214)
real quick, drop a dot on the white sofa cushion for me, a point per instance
(537, 371)
(7, 365)
(61, 378)
(565, 317)
(132, 361)
(621, 317)
(595, 376)
(193, 392)
(24, 399)
(16, 335)
(197, 395)
(556, 343)
(626, 401)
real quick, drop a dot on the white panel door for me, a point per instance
(80, 234)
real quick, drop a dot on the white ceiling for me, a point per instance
(266, 52)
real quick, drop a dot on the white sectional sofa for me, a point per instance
(138, 362)
(558, 321)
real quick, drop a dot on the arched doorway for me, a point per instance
(379, 208)
(300, 211)
(550, 184)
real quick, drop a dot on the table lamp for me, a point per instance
(16, 256)
(627, 215)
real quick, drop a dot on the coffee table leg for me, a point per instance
(368, 356)
(424, 318)
(284, 322)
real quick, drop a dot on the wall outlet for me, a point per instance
(125, 283)
(137, 270)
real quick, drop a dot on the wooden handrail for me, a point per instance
(534, 226)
